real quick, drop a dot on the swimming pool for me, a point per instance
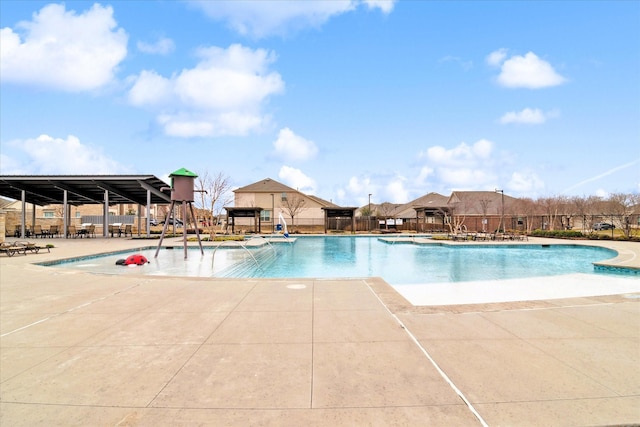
(359, 256)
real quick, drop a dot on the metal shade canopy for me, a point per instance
(83, 189)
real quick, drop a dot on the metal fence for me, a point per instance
(113, 219)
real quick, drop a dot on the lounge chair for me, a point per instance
(11, 249)
(31, 247)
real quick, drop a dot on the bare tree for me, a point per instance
(385, 211)
(584, 207)
(202, 187)
(163, 211)
(484, 206)
(453, 220)
(622, 207)
(214, 192)
(552, 207)
(526, 209)
(293, 205)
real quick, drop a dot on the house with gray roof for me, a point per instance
(278, 201)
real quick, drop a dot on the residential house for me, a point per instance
(426, 213)
(483, 210)
(279, 202)
(475, 210)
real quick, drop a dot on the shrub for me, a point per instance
(439, 237)
(558, 234)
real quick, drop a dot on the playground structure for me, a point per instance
(182, 189)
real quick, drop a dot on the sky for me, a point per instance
(339, 99)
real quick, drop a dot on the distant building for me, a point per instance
(298, 209)
(433, 212)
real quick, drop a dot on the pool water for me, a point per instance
(343, 257)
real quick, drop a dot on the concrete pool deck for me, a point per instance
(78, 348)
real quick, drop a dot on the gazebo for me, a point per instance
(339, 212)
(248, 212)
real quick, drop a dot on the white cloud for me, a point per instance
(295, 178)
(528, 71)
(386, 6)
(496, 58)
(395, 191)
(387, 187)
(462, 178)
(464, 167)
(264, 18)
(162, 46)
(292, 147)
(10, 165)
(63, 50)
(425, 173)
(462, 155)
(527, 116)
(526, 183)
(359, 185)
(150, 89)
(356, 191)
(602, 193)
(44, 156)
(222, 95)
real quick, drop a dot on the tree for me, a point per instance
(621, 207)
(454, 221)
(526, 209)
(583, 207)
(365, 211)
(293, 204)
(553, 207)
(214, 193)
(484, 206)
(385, 211)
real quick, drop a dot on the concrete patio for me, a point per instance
(78, 348)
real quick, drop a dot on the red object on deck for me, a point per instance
(136, 259)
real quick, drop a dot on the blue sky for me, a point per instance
(339, 99)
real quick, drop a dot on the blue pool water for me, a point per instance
(333, 257)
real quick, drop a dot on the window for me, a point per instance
(49, 215)
(265, 215)
(283, 197)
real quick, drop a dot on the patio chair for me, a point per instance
(114, 229)
(128, 229)
(53, 231)
(71, 231)
(480, 236)
(37, 231)
(84, 229)
(91, 231)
